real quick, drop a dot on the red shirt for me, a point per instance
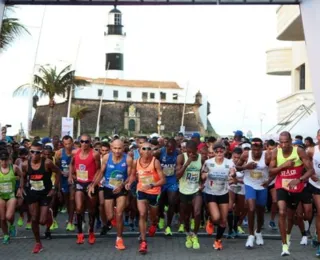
(233, 145)
(200, 146)
(85, 168)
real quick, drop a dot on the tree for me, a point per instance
(78, 112)
(48, 82)
(11, 29)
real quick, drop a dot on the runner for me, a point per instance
(63, 160)
(216, 173)
(40, 190)
(256, 178)
(115, 168)
(188, 170)
(8, 201)
(85, 164)
(287, 164)
(147, 170)
(168, 159)
(314, 154)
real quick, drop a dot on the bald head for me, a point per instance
(117, 148)
(285, 134)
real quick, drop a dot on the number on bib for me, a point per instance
(82, 175)
(6, 187)
(255, 174)
(192, 177)
(114, 182)
(285, 183)
(37, 185)
(168, 171)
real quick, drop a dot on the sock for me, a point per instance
(91, 222)
(220, 232)
(79, 223)
(230, 221)
(235, 223)
(306, 225)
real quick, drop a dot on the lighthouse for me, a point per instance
(114, 42)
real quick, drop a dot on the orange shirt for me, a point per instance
(146, 176)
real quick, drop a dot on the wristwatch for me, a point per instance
(301, 180)
(151, 185)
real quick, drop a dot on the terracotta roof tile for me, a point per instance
(133, 83)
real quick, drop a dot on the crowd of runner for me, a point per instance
(150, 182)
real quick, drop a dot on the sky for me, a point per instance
(219, 50)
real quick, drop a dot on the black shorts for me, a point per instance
(109, 195)
(307, 195)
(313, 190)
(187, 199)
(270, 187)
(219, 199)
(291, 198)
(152, 199)
(40, 197)
(84, 188)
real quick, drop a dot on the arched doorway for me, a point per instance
(132, 125)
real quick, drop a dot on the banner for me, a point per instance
(67, 126)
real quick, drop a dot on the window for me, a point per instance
(152, 95)
(117, 19)
(100, 92)
(144, 95)
(115, 94)
(162, 95)
(175, 96)
(302, 77)
(128, 94)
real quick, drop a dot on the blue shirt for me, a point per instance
(115, 173)
(168, 164)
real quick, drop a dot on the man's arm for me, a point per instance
(162, 180)
(57, 156)
(53, 168)
(241, 164)
(133, 175)
(307, 164)
(98, 177)
(24, 170)
(181, 166)
(129, 169)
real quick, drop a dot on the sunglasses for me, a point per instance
(97, 149)
(84, 141)
(35, 152)
(146, 148)
(256, 143)
(219, 151)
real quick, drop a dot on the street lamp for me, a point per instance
(262, 116)
(182, 127)
(100, 94)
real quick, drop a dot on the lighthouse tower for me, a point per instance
(114, 42)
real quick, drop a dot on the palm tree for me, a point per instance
(48, 82)
(78, 112)
(11, 29)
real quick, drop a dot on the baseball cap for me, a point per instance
(180, 134)
(219, 145)
(246, 145)
(298, 142)
(195, 135)
(238, 133)
(46, 140)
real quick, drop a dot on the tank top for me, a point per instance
(7, 183)
(254, 178)
(85, 168)
(218, 176)
(316, 166)
(39, 180)
(286, 175)
(147, 176)
(65, 162)
(168, 164)
(189, 182)
(115, 173)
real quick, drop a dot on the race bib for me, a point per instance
(168, 171)
(285, 184)
(216, 186)
(255, 174)
(37, 185)
(115, 182)
(146, 180)
(6, 187)
(192, 177)
(82, 175)
(65, 171)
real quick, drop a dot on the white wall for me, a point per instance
(91, 92)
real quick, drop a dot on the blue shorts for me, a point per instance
(150, 198)
(64, 184)
(170, 187)
(260, 196)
